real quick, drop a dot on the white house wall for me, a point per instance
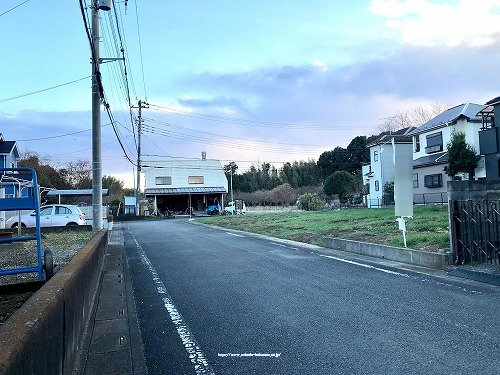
(180, 171)
(382, 171)
(471, 131)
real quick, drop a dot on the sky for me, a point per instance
(250, 82)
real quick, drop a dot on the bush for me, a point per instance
(310, 202)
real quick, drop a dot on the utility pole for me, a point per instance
(138, 185)
(96, 125)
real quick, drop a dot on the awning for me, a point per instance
(105, 192)
(183, 191)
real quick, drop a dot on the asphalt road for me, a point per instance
(213, 301)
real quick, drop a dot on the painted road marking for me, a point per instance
(234, 234)
(285, 246)
(239, 355)
(196, 355)
(365, 265)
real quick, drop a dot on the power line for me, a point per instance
(230, 137)
(227, 144)
(55, 136)
(11, 9)
(42, 90)
(95, 62)
(266, 124)
(140, 51)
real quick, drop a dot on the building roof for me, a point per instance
(191, 190)
(8, 147)
(400, 136)
(494, 101)
(55, 192)
(433, 159)
(469, 111)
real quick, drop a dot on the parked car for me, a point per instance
(50, 216)
(213, 210)
(232, 209)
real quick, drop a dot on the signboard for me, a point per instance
(403, 182)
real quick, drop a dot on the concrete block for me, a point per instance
(32, 339)
(43, 336)
(403, 255)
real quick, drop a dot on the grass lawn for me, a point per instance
(427, 230)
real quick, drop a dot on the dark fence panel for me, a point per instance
(420, 199)
(430, 198)
(475, 231)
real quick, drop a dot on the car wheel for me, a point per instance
(15, 225)
(71, 224)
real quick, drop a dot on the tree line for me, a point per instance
(300, 174)
(74, 175)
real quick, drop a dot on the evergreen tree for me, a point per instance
(461, 156)
(340, 183)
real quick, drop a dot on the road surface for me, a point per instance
(214, 301)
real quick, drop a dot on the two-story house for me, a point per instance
(180, 184)
(9, 155)
(430, 140)
(381, 169)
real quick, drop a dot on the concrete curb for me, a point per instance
(438, 261)
(43, 337)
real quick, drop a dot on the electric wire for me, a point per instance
(42, 90)
(230, 137)
(115, 72)
(11, 9)
(122, 50)
(98, 79)
(228, 144)
(140, 51)
(231, 120)
(58, 136)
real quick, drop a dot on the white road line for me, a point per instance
(234, 234)
(365, 265)
(285, 246)
(196, 355)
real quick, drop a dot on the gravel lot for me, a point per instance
(64, 245)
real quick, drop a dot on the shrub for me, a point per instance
(310, 202)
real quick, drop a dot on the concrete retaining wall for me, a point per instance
(438, 260)
(43, 337)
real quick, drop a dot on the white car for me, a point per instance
(231, 209)
(50, 216)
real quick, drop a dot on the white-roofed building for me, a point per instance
(180, 184)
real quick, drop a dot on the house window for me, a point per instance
(377, 186)
(196, 180)
(415, 180)
(164, 180)
(434, 143)
(375, 155)
(417, 143)
(433, 180)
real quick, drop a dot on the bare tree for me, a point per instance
(410, 117)
(78, 174)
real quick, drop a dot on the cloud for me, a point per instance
(303, 109)
(217, 102)
(437, 73)
(423, 22)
